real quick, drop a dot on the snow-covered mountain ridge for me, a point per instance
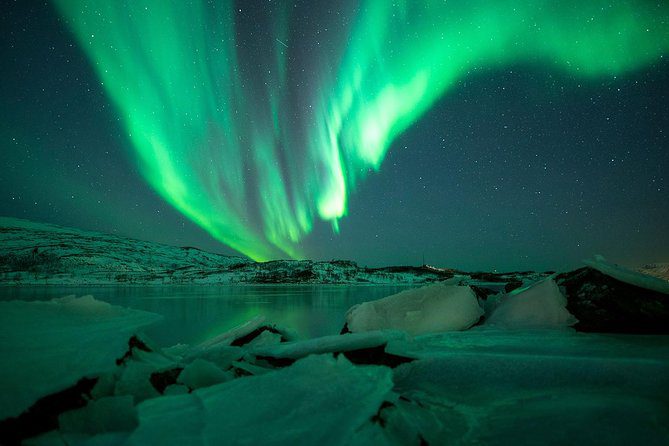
(38, 254)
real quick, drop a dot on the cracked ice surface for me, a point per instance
(318, 400)
(328, 344)
(490, 386)
(48, 346)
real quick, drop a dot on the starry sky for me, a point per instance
(480, 135)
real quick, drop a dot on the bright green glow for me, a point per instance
(226, 143)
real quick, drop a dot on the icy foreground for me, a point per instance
(318, 400)
(80, 373)
(48, 346)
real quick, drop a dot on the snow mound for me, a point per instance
(540, 306)
(48, 346)
(628, 276)
(428, 309)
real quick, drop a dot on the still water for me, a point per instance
(192, 314)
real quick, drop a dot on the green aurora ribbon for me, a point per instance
(254, 135)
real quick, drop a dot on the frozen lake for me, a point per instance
(194, 313)
(480, 386)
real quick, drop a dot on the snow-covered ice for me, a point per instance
(107, 414)
(202, 373)
(48, 346)
(542, 305)
(328, 344)
(249, 385)
(318, 400)
(432, 308)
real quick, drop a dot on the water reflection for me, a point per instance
(194, 313)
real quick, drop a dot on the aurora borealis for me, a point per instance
(258, 124)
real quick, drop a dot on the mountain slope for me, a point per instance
(37, 252)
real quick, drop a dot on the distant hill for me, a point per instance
(38, 253)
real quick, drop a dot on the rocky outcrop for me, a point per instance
(607, 305)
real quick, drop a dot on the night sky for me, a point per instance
(499, 135)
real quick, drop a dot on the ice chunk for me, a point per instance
(46, 347)
(318, 400)
(110, 414)
(221, 349)
(432, 308)
(51, 438)
(248, 368)
(540, 306)
(628, 276)
(135, 380)
(155, 359)
(221, 355)
(202, 373)
(229, 336)
(175, 389)
(265, 338)
(327, 344)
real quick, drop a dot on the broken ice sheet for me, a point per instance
(548, 398)
(202, 373)
(318, 400)
(328, 344)
(46, 347)
(108, 414)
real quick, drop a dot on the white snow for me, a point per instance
(540, 306)
(46, 347)
(77, 257)
(428, 309)
(628, 276)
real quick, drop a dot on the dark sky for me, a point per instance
(519, 166)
